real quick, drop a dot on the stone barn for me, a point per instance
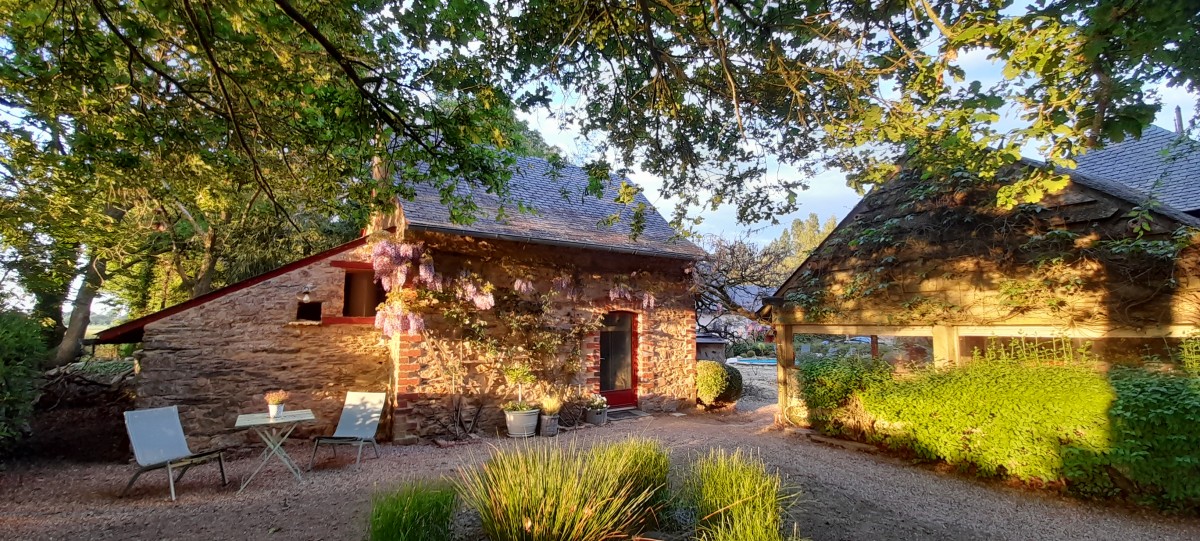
(1099, 263)
(564, 290)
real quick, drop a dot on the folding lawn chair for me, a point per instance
(357, 426)
(158, 442)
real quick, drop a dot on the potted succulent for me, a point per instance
(551, 405)
(597, 410)
(275, 400)
(520, 417)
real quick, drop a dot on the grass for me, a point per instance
(417, 511)
(562, 493)
(735, 498)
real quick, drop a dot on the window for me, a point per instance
(308, 311)
(362, 294)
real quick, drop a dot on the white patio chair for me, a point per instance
(357, 426)
(156, 436)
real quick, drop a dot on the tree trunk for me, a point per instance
(47, 305)
(208, 265)
(81, 312)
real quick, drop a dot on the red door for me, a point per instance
(618, 360)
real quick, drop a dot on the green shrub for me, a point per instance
(829, 382)
(734, 387)
(548, 492)
(417, 511)
(735, 498)
(749, 348)
(21, 351)
(1002, 418)
(711, 381)
(1154, 454)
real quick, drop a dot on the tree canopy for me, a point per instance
(133, 132)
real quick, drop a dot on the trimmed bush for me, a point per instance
(711, 381)
(416, 512)
(549, 492)
(735, 498)
(21, 351)
(828, 382)
(734, 388)
(1002, 418)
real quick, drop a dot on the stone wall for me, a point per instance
(216, 359)
(445, 368)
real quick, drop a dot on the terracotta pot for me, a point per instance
(521, 424)
(274, 410)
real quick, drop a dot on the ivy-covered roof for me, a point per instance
(556, 210)
(1160, 163)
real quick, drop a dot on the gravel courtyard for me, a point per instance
(847, 495)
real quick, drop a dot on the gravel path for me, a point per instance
(846, 495)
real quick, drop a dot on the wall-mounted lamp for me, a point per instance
(305, 294)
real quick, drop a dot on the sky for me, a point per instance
(827, 193)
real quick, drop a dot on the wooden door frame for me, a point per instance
(623, 397)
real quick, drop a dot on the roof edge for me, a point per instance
(131, 331)
(561, 243)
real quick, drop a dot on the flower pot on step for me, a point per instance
(521, 424)
(597, 417)
(549, 425)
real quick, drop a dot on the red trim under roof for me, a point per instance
(131, 331)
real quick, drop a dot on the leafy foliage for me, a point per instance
(749, 348)
(1153, 456)
(735, 498)
(415, 512)
(735, 388)
(711, 381)
(22, 350)
(563, 493)
(829, 382)
(1002, 418)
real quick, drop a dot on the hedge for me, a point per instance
(1129, 433)
(717, 383)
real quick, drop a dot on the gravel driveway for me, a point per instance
(847, 495)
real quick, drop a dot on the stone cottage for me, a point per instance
(564, 290)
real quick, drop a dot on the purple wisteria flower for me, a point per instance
(416, 324)
(483, 300)
(648, 300)
(425, 271)
(524, 286)
(620, 292)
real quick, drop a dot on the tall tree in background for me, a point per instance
(799, 240)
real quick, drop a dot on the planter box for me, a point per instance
(597, 417)
(521, 424)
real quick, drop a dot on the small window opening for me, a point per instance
(308, 311)
(362, 294)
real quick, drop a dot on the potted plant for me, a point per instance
(275, 400)
(520, 417)
(551, 405)
(597, 410)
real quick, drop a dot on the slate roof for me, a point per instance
(1157, 163)
(561, 214)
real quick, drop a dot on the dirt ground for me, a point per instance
(845, 495)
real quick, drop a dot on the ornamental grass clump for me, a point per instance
(563, 493)
(735, 498)
(419, 511)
